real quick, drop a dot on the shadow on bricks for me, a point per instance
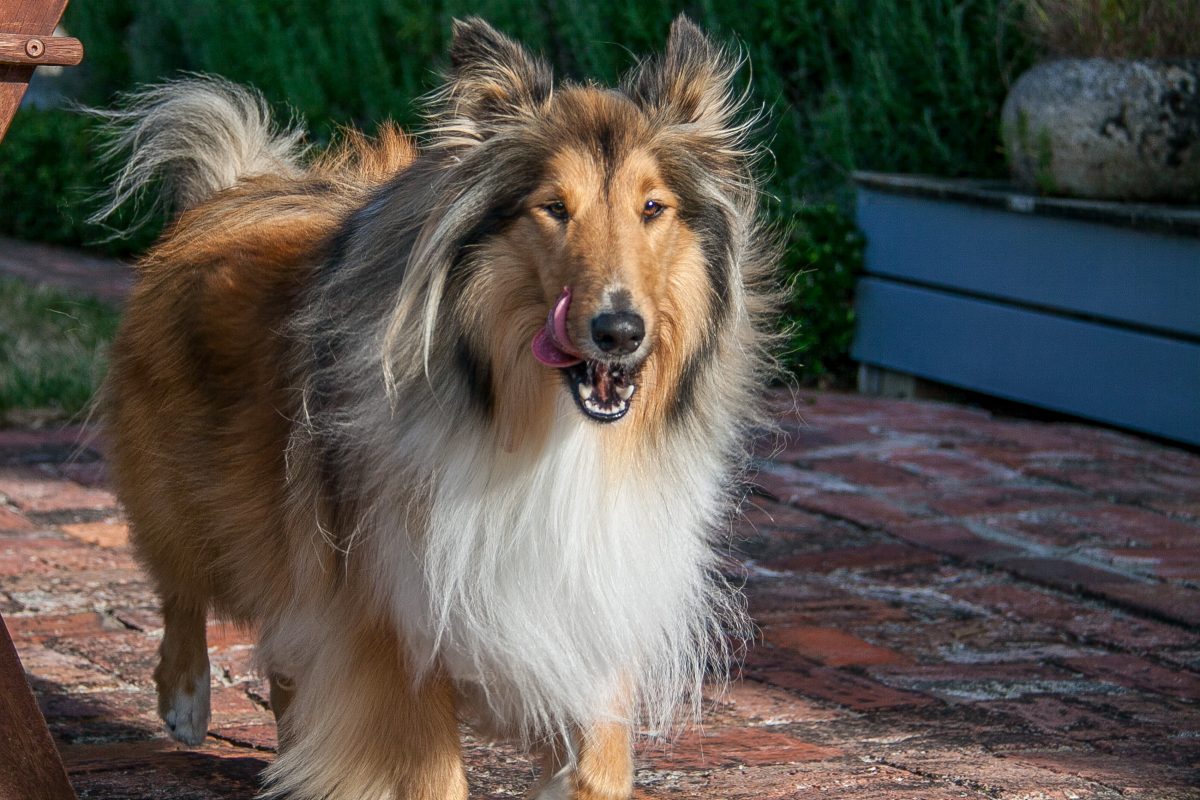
(950, 605)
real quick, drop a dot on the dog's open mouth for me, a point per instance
(602, 390)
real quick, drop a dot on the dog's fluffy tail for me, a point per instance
(191, 138)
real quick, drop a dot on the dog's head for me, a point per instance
(596, 234)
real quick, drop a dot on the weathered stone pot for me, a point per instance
(1107, 129)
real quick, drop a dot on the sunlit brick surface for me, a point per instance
(951, 605)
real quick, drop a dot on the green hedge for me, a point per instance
(823, 256)
(911, 85)
(50, 171)
(45, 176)
(901, 85)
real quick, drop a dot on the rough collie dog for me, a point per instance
(452, 426)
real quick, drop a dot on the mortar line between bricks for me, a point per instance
(968, 783)
(860, 589)
(51, 642)
(1074, 701)
(1034, 482)
(1145, 655)
(1106, 645)
(1022, 480)
(965, 783)
(973, 785)
(1083, 591)
(129, 626)
(874, 493)
(257, 699)
(1070, 636)
(868, 449)
(255, 748)
(985, 531)
(822, 513)
(1060, 483)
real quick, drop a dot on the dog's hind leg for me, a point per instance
(182, 676)
(603, 769)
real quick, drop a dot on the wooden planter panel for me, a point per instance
(1130, 378)
(1145, 279)
(1086, 307)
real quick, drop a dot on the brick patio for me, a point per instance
(952, 605)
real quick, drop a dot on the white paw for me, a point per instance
(187, 718)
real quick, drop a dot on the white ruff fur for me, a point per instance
(553, 590)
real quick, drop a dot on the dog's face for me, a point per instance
(605, 223)
(608, 262)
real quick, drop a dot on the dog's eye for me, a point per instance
(558, 210)
(652, 209)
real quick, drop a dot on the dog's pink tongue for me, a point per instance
(552, 343)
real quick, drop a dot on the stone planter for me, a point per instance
(1106, 129)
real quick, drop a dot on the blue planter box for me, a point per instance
(1090, 308)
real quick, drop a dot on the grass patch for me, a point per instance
(52, 348)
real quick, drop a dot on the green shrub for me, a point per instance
(894, 85)
(1114, 28)
(823, 257)
(913, 85)
(44, 173)
(49, 171)
(52, 348)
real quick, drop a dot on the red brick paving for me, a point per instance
(951, 606)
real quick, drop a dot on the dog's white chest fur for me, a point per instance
(557, 589)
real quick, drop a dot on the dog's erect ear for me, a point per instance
(491, 79)
(691, 84)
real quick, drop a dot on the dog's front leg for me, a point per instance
(357, 727)
(602, 768)
(182, 675)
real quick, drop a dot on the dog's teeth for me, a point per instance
(585, 390)
(625, 392)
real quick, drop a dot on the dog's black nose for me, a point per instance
(619, 333)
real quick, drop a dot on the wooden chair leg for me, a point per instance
(30, 768)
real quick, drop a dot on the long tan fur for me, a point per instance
(327, 421)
